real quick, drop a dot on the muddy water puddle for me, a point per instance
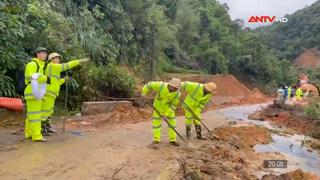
(290, 146)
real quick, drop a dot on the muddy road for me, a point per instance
(118, 152)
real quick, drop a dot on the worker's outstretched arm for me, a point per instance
(73, 63)
(151, 86)
(58, 68)
(69, 65)
(61, 67)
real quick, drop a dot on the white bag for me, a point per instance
(38, 90)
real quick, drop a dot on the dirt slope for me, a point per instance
(308, 59)
(230, 89)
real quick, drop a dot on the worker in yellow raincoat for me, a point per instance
(299, 94)
(289, 93)
(53, 71)
(35, 82)
(198, 96)
(166, 102)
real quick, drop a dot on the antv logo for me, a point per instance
(266, 19)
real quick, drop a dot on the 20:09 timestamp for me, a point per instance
(275, 163)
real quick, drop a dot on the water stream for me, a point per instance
(290, 146)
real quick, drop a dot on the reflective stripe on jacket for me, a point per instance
(165, 102)
(54, 72)
(30, 70)
(195, 97)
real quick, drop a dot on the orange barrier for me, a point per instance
(14, 104)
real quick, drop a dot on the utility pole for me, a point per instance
(152, 57)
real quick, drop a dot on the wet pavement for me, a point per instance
(96, 155)
(290, 146)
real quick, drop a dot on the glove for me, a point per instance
(42, 79)
(84, 60)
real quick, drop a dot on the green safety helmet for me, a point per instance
(39, 49)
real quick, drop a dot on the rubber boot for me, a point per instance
(198, 131)
(40, 140)
(188, 131)
(49, 127)
(154, 145)
(174, 143)
(44, 130)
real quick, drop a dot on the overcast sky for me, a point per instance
(243, 9)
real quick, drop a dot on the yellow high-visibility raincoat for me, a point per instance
(53, 71)
(166, 103)
(299, 94)
(195, 102)
(34, 105)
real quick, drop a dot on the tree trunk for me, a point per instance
(152, 56)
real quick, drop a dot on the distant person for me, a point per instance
(289, 93)
(165, 104)
(35, 82)
(303, 79)
(293, 92)
(285, 95)
(53, 71)
(198, 96)
(299, 94)
(280, 94)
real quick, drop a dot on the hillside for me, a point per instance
(150, 37)
(97, 102)
(309, 59)
(301, 32)
(230, 89)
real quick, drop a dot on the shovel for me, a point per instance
(195, 116)
(169, 125)
(210, 132)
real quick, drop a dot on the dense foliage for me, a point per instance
(313, 109)
(150, 36)
(301, 32)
